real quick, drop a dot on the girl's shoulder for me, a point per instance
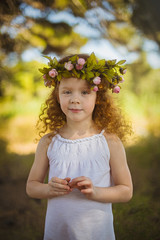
(46, 140)
(112, 139)
(115, 145)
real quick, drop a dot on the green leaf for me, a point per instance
(43, 70)
(111, 62)
(74, 72)
(92, 61)
(101, 63)
(83, 76)
(59, 77)
(109, 79)
(97, 74)
(66, 74)
(73, 59)
(49, 58)
(90, 74)
(121, 62)
(60, 66)
(78, 75)
(55, 61)
(50, 63)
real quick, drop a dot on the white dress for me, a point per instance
(73, 216)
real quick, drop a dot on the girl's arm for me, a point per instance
(122, 189)
(36, 187)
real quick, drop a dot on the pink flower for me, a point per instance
(97, 80)
(79, 67)
(69, 66)
(95, 89)
(124, 71)
(121, 79)
(53, 73)
(116, 89)
(44, 77)
(81, 61)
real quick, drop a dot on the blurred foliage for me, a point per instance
(133, 220)
(49, 25)
(27, 24)
(17, 216)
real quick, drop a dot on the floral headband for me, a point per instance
(100, 74)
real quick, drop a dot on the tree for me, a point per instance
(35, 23)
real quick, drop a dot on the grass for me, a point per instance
(21, 217)
(140, 218)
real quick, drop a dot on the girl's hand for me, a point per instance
(58, 187)
(85, 185)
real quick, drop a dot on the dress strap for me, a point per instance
(101, 133)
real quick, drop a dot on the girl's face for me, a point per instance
(76, 99)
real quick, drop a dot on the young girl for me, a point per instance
(87, 164)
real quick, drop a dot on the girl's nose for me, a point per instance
(74, 100)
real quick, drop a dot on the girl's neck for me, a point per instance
(75, 130)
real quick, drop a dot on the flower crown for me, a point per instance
(100, 74)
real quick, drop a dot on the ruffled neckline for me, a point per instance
(79, 139)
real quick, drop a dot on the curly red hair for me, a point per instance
(106, 114)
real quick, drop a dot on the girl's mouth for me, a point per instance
(74, 110)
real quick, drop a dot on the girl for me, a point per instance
(87, 164)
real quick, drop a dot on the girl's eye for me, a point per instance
(67, 92)
(85, 92)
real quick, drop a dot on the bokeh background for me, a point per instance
(113, 29)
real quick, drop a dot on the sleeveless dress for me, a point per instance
(73, 216)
